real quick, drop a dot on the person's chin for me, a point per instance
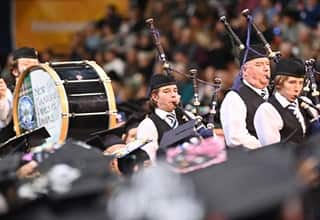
(170, 109)
(264, 85)
(292, 98)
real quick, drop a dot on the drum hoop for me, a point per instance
(109, 91)
(15, 100)
(61, 92)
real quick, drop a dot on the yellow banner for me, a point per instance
(51, 23)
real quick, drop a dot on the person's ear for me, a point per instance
(154, 97)
(15, 72)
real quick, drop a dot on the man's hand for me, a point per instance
(3, 88)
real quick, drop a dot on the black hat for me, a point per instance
(103, 142)
(117, 131)
(178, 135)
(25, 52)
(76, 154)
(160, 80)
(96, 141)
(126, 164)
(25, 141)
(114, 76)
(254, 51)
(132, 122)
(250, 184)
(111, 139)
(8, 168)
(85, 178)
(290, 67)
(130, 155)
(132, 107)
(78, 207)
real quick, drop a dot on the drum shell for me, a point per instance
(85, 93)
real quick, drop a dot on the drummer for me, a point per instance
(23, 58)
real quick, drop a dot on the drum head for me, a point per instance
(39, 102)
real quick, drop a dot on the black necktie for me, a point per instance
(172, 120)
(293, 108)
(263, 94)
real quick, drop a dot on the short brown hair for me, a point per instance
(279, 81)
(13, 65)
(152, 102)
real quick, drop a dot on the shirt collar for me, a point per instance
(162, 114)
(283, 100)
(258, 91)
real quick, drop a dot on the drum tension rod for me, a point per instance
(80, 81)
(73, 114)
(86, 94)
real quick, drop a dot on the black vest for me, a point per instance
(292, 130)
(162, 126)
(252, 101)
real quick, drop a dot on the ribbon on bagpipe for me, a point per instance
(274, 55)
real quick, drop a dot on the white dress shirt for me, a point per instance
(233, 113)
(6, 109)
(148, 130)
(268, 121)
(258, 91)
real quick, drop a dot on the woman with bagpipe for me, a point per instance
(287, 116)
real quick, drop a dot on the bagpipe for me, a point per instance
(310, 88)
(205, 129)
(311, 91)
(192, 145)
(272, 55)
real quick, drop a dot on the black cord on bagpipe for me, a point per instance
(162, 57)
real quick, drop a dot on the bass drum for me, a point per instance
(69, 99)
